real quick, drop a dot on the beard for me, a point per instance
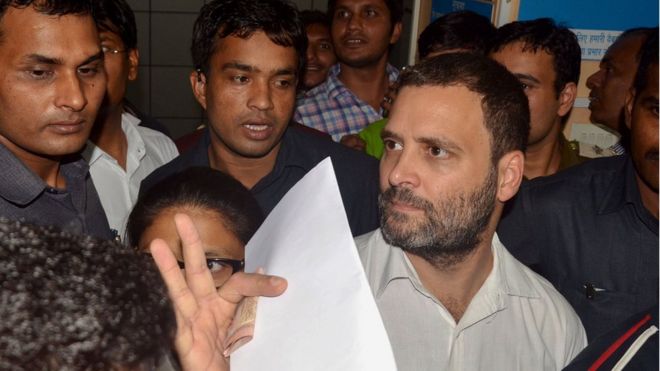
(451, 228)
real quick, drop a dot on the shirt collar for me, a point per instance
(292, 153)
(506, 278)
(22, 186)
(129, 124)
(335, 87)
(623, 190)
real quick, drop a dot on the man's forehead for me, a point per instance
(269, 57)
(625, 49)
(441, 105)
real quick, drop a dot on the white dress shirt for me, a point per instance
(516, 321)
(118, 189)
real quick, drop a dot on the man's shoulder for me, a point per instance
(316, 148)
(314, 95)
(553, 315)
(583, 182)
(158, 142)
(177, 165)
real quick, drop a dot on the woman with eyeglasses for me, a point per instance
(223, 210)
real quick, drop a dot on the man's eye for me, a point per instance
(342, 14)
(370, 13)
(524, 86)
(38, 74)
(241, 79)
(437, 152)
(391, 145)
(283, 83)
(326, 46)
(88, 71)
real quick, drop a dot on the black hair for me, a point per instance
(72, 302)
(49, 7)
(200, 188)
(648, 57)
(463, 30)
(278, 19)
(310, 17)
(394, 6)
(643, 32)
(544, 34)
(504, 103)
(116, 16)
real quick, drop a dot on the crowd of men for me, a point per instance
(488, 240)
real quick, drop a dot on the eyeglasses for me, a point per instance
(107, 50)
(221, 268)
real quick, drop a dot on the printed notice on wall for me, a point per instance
(594, 43)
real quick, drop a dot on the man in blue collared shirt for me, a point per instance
(52, 84)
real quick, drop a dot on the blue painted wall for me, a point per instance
(593, 14)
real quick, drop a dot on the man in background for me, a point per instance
(462, 31)
(592, 230)
(363, 31)
(546, 59)
(121, 152)
(608, 86)
(320, 51)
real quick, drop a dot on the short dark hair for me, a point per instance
(648, 58)
(49, 7)
(544, 34)
(72, 302)
(278, 19)
(504, 103)
(394, 6)
(200, 188)
(310, 17)
(117, 16)
(643, 32)
(464, 30)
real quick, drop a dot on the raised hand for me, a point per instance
(203, 314)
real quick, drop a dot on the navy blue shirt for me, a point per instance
(25, 196)
(586, 230)
(300, 151)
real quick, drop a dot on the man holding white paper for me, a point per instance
(450, 294)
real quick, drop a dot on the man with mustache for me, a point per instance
(446, 287)
(248, 57)
(363, 32)
(592, 231)
(51, 86)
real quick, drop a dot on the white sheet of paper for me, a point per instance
(327, 319)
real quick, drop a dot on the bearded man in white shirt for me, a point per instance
(450, 294)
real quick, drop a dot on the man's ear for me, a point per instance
(627, 108)
(396, 32)
(510, 174)
(567, 99)
(198, 84)
(133, 63)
